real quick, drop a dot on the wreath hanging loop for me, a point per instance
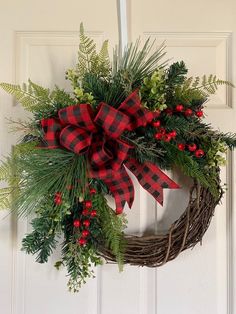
(134, 112)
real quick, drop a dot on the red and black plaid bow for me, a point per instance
(80, 130)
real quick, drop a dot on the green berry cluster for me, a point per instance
(153, 90)
(216, 154)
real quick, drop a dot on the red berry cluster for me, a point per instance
(192, 148)
(85, 220)
(58, 198)
(161, 133)
(180, 109)
(188, 112)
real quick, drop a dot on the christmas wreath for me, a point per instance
(136, 113)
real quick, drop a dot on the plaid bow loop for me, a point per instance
(79, 129)
(80, 115)
(112, 121)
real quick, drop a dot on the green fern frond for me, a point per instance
(39, 91)
(27, 100)
(112, 228)
(32, 96)
(5, 201)
(199, 89)
(207, 85)
(5, 169)
(87, 51)
(89, 61)
(87, 45)
(103, 54)
(9, 176)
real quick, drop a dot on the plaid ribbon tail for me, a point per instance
(120, 185)
(151, 178)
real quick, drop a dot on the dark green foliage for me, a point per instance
(79, 259)
(105, 229)
(112, 227)
(112, 93)
(228, 138)
(176, 74)
(145, 146)
(42, 240)
(191, 167)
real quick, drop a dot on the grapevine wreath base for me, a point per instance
(134, 112)
(157, 249)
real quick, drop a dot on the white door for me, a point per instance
(39, 39)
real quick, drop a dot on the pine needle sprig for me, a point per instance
(46, 172)
(137, 63)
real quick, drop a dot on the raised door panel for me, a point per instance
(199, 281)
(39, 40)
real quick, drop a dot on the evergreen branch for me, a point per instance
(228, 138)
(136, 63)
(176, 74)
(41, 240)
(191, 168)
(112, 227)
(78, 261)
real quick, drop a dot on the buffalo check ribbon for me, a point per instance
(98, 134)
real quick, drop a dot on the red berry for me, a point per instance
(181, 146)
(156, 124)
(192, 147)
(93, 213)
(162, 131)
(157, 113)
(86, 223)
(199, 153)
(158, 136)
(92, 191)
(169, 111)
(82, 241)
(173, 133)
(199, 113)
(85, 212)
(76, 223)
(58, 198)
(88, 204)
(167, 138)
(69, 187)
(179, 108)
(58, 201)
(85, 233)
(188, 112)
